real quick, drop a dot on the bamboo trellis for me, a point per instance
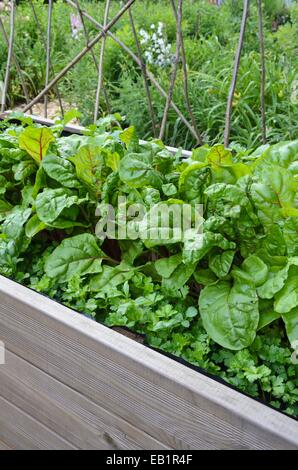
(52, 79)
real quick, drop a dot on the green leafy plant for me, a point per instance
(210, 51)
(224, 296)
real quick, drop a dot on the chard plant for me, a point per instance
(223, 295)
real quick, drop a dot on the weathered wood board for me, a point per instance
(69, 382)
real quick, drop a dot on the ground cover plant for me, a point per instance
(224, 299)
(210, 50)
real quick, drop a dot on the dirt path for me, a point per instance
(53, 110)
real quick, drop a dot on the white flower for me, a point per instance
(159, 29)
(158, 51)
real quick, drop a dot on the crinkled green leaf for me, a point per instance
(51, 202)
(77, 255)
(284, 155)
(276, 279)
(60, 170)
(221, 263)
(166, 266)
(274, 194)
(287, 298)
(36, 141)
(34, 226)
(137, 171)
(179, 277)
(291, 322)
(112, 160)
(205, 276)
(256, 269)
(290, 233)
(111, 277)
(89, 162)
(230, 314)
(219, 156)
(193, 182)
(13, 225)
(5, 207)
(197, 245)
(23, 170)
(267, 313)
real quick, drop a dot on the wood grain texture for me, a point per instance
(4, 446)
(162, 398)
(67, 412)
(23, 432)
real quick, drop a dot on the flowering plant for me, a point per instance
(76, 25)
(158, 50)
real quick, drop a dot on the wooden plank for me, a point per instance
(175, 404)
(74, 129)
(21, 431)
(67, 412)
(4, 446)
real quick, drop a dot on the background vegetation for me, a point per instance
(211, 35)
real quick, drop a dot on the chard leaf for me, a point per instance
(23, 169)
(193, 181)
(112, 160)
(230, 314)
(284, 155)
(196, 246)
(77, 255)
(13, 225)
(130, 138)
(137, 171)
(256, 269)
(276, 279)
(287, 298)
(223, 167)
(274, 194)
(5, 208)
(205, 276)
(169, 189)
(221, 263)
(64, 223)
(3, 185)
(219, 156)
(110, 278)
(60, 170)
(89, 163)
(166, 266)
(290, 233)
(51, 202)
(178, 278)
(160, 225)
(36, 141)
(291, 322)
(34, 226)
(267, 313)
(40, 181)
(131, 250)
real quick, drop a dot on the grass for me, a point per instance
(211, 36)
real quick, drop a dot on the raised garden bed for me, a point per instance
(69, 382)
